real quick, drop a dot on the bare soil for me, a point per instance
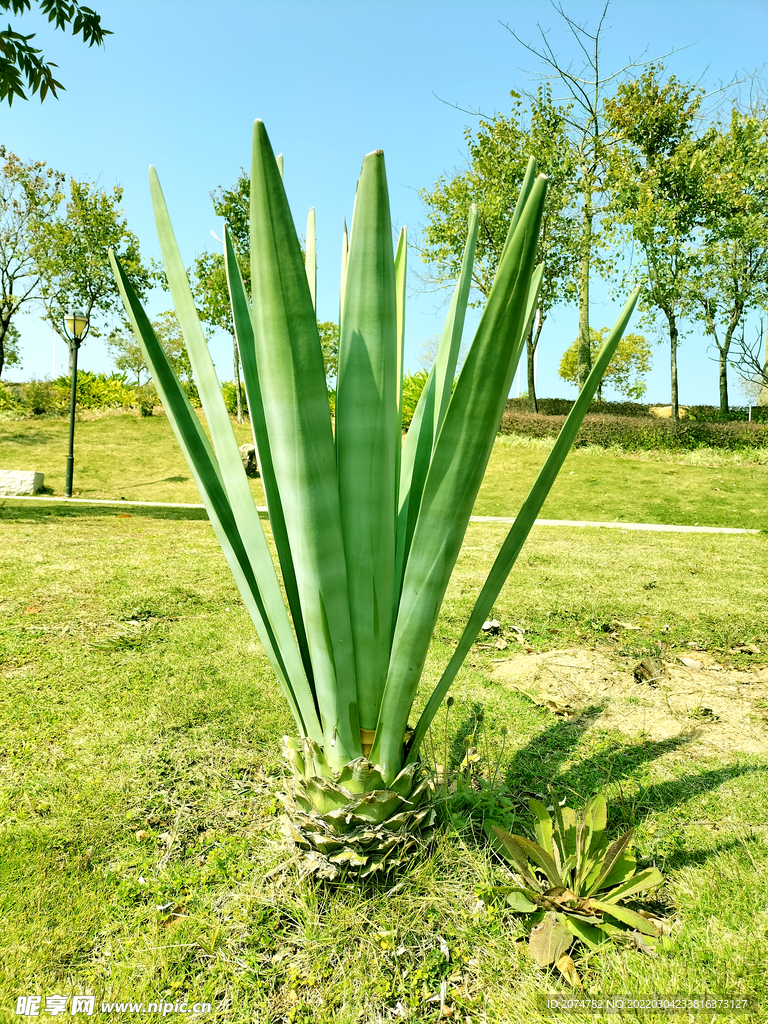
(710, 705)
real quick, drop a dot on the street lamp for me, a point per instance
(77, 325)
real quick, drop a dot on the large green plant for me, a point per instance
(366, 534)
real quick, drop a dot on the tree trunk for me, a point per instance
(238, 389)
(673, 366)
(724, 410)
(585, 357)
(531, 348)
(762, 398)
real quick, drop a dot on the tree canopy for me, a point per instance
(30, 194)
(22, 65)
(626, 370)
(70, 254)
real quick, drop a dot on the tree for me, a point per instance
(329, 341)
(656, 175)
(498, 156)
(71, 259)
(589, 136)
(12, 354)
(751, 363)
(630, 362)
(29, 194)
(732, 274)
(211, 290)
(129, 358)
(22, 65)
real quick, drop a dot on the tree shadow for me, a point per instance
(26, 440)
(165, 480)
(43, 513)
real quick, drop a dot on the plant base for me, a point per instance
(350, 823)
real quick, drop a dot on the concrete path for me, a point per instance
(616, 525)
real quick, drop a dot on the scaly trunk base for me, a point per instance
(350, 824)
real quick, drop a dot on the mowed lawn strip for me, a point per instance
(140, 752)
(123, 456)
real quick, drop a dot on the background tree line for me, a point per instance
(645, 188)
(648, 185)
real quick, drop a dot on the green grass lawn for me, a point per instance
(123, 456)
(140, 855)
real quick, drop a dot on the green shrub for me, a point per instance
(40, 397)
(145, 397)
(739, 414)
(562, 406)
(9, 397)
(229, 392)
(641, 433)
(94, 390)
(413, 385)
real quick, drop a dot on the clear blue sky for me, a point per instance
(179, 83)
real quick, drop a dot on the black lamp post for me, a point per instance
(77, 324)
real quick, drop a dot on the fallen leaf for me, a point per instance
(501, 645)
(124, 515)
(177, 914)
(32, 609)
(692, 663)
(141, 834)
(567, 968)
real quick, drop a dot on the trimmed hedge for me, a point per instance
(640, 433)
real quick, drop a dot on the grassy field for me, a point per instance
(140, 855)
(123, 456)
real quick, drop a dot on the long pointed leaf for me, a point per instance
(344, 260)
(450, 342)
(261, 597)
(310, 258)
(293, 388)
(638, 883)
(626, 916)
(241, 317)
(401, 261)
(455, 474)
(523, 523)
(366, 434)
(431, 409)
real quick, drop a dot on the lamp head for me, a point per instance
(76, 324)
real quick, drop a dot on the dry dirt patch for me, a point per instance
(719, 708)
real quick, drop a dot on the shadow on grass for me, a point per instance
(25, 439)
(550, 760)
(165, 480)
(27, 512)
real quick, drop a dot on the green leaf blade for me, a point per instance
(295, 397)
(524, 521)
(262, 598)
(367, 433)
(455, 473)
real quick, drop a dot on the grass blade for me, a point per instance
(344, 259)
(401, 261)
(523, 523)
